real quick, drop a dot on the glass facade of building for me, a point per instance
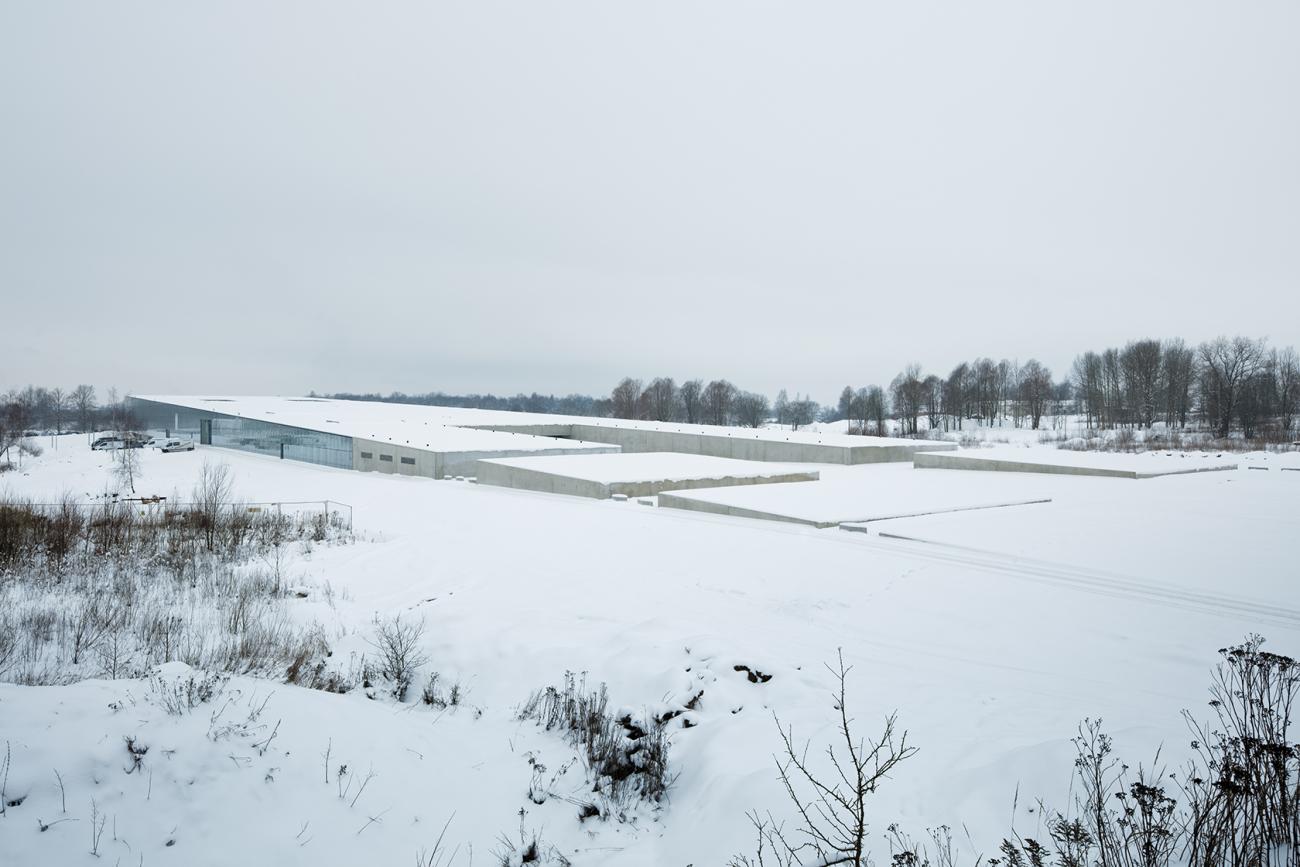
(245, 434)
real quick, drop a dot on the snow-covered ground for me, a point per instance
(992, 638)
(871, 492)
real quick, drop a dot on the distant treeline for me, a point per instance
(1223, 386)
(35, 410)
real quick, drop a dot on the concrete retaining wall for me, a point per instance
(1001, 465)
(466, 463)
(439, 465)
(425, 461)
(723, 446)
(690, 504)
(489, 472)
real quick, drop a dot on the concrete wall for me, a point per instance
(502, 475)
(466, 463)
(426, 462)
(506, 476)
(973, 462)
(439, 465)
(669, 501)
(724, 446)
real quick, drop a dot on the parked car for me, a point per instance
(120, 441)
(177, 446)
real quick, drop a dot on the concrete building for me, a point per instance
(446, 441)
(335, 434)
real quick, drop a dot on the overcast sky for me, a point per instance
(480, 196)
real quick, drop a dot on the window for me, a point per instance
(369, 456)
(410, 461)
(277, 440)
(388, 458)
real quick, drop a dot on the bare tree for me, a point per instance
(1177, 373)
(908, 391)
(660, 399)
(877, 408)
(58, 408)
(212, 496)
(860, 414)
(956, 394)
(83, 404)
(802, 411)
(932, 391)
(831, 802)
(399, 645)
(751, 409)
(1287, 366)
(127, 460)
(690, 396)
(782, 408)
(1225, 366)
(846, 402)
(1140, 367)
(1035, 389)
(717, 398)
(626, 398)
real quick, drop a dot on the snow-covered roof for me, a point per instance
(422, 427)
(455, 429)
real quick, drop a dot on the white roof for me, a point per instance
(452, 429)
(419, 427)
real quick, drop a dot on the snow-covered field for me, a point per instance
(992, 637)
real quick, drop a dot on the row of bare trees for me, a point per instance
(981, 390)
(717, 402)
(1227, 383)
(52, 409)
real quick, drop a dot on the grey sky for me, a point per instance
(273, 197)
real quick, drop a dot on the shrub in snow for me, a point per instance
(398, 645)
(110, 591)
(1235, 803)
(626, 758)
(830, 798)
(528, 849)
(178, 690)
(435, 695)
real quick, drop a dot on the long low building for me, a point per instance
(343, 434)
(446, 441)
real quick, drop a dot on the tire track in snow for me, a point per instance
(1092, 580)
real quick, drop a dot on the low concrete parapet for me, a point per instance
(1067, 466)
(691, 504)
(742, 444)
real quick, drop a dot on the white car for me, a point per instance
(177, 446)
